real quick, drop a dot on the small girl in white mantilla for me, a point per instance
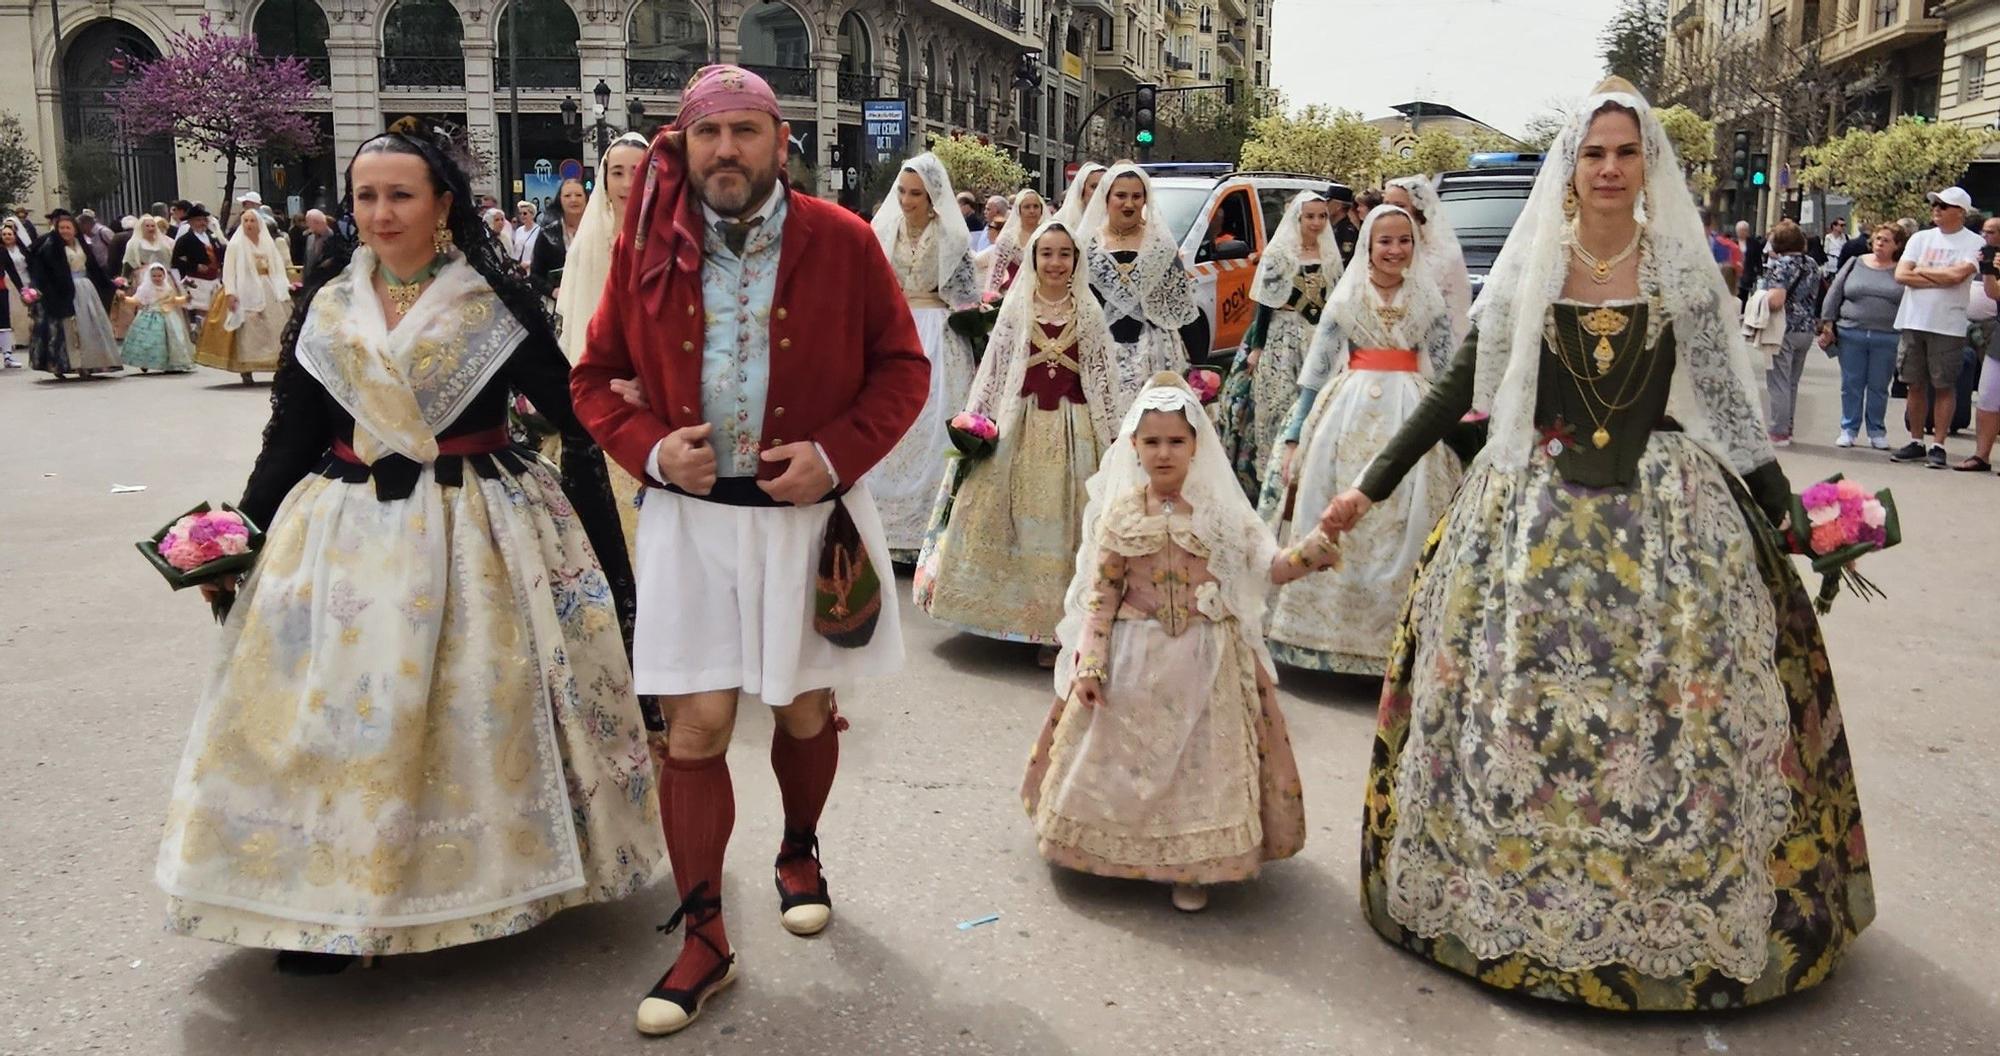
(1165, 757)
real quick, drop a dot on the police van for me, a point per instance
(1221, 219)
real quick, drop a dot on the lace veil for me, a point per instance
(954, 242)
(588, 262)
(1715, 379)
(1282, 257)
(996, 388)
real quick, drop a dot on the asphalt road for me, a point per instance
(98, 680)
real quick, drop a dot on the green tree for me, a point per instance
(18, 163)
(1886, 173)
(1542, 129)
(1693, 139)
(1635, 44)
(978, 167)
(1317, 140)
(89, 175)
(1203, 126)
(1436, 150)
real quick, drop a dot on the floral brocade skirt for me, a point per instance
(1185, 775)
(1255, 403)
(1595, 780)
(1000, 563)
(419, 731)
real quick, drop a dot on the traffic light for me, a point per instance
(1143, 107)
(1742, 156)
(1760, 169)
(1028, 71)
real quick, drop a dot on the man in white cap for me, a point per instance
(1936, 271)
(247, 201)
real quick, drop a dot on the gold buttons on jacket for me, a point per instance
(777, 412)
(687, 346)
(784, 342)
(781, 313)
(685, 409)
(690, 309)
(775, 442)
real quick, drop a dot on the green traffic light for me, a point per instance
(1757, 179)
(1145, 137)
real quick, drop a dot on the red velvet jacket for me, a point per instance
(847, 371)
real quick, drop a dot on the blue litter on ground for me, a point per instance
(968, 925)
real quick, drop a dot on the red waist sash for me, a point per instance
(484, 442)
(1395, 360)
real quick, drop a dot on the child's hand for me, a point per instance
(1089, 692)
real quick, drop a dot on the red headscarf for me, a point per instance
(665, 231)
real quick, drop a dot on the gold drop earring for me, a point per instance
(1569, 201)
(441, 241)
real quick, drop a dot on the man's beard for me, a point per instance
(731, 201)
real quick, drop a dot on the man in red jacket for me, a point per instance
(772, 362)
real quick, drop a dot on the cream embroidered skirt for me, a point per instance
(1000, 565)
(1343, 620)
(420, 730)
(1185, 775)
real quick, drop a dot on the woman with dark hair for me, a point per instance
(420, 729)
(1793, 280)
(73, 332)
(552, 245)
(1609, 766)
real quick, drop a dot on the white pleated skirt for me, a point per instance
(726, 597)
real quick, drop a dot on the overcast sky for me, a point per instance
(1500, 61)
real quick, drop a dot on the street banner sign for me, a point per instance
(886, 126)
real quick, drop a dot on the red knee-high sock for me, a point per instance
(698, 810)
(805, 767)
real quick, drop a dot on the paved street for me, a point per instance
(99, 666)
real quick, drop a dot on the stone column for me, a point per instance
(356, 74)
(486, 110)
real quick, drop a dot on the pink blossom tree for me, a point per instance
(216, 94)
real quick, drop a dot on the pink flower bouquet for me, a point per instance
(201, 545)
(118, 283)
(974, 435)
(1835, 522)
(973, 438)
(30, 295)
(1206, 384)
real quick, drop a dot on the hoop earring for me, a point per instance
(441, 241)
(1569, 201)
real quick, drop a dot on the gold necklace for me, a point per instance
(1625, 396)
(1600, 270)
(1604, 324)
(403, 293)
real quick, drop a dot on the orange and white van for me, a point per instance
(1222, 219)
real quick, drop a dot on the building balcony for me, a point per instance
(1877, 27)
(1236, 8)
(960, 115)
(422, 73)
(1002, 17)
(1231, 46)
(564, 74)
(1178, 64)
(934, 106)
(855, 87)
(1102, 7)
(789, 82)
(1688, 17)
(658, 76)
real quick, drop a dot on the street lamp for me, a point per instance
(603, 95)
(572, 125)
(635, 115)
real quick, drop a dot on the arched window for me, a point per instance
(857, 59)
(547, 39)
(903, 64)
(423, 46)
(777, 46)
(293, 27)
(666, 41)
(100, 167)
